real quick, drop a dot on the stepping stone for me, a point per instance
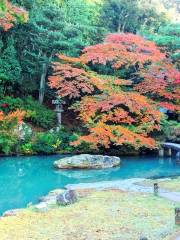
(67, 197)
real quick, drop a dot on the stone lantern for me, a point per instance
(156, 188)
(177, 216)
(58, 109)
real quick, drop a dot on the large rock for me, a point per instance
(23, 130)
(87, 161)
(50, 199)
(66, 198)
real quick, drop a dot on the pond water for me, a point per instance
(25, 179)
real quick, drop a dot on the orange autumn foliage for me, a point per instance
(9, 15)
(107, 135)
(161, 83)
(70, 81)
(122, 50)
(115, 111)
(128, 117)
(17, 115)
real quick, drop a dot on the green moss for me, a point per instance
(106, 215)
(169, 184)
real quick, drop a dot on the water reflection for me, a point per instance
(88, 174)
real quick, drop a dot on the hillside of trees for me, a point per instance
(114, 65)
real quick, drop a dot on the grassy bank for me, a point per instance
(105, 215)
(172, 184)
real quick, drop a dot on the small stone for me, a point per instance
(56, 192)
(49, 200)
(66, 198)
(11, 213)
(41, 207)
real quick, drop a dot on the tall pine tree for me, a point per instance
(10, 69)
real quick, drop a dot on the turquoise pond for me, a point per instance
(25, 179)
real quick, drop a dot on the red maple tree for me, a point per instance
(159, 78)
(161, 82)
(123, 50)
(116, 111)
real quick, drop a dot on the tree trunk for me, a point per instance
(43, 82)
(119, 28)
(124, 23)
(119, 25)
(123, 27)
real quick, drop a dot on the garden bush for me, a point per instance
(170, 131)
(53, 141)
(8, 143)
(36, 113)
(46, 143)
(9, 136)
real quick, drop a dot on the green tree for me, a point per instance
(168, 38)
(44, 36)
(64, 27)
(28, 4)
(129, 16)
(10, 69)
(115, 14)
(85, 17)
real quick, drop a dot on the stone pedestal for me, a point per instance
(58, 103)
(156, 189)
(161, 152)
(177, 216)
(168, 152)
(178, 156)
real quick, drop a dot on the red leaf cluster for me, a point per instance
(70, 81)
(17, 115)
(112, 113)
(106, 136)
(9, 14)
(123, 50)
(161, 83)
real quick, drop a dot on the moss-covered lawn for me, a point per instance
(169, 184)
(105, 215)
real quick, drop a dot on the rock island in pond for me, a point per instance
(87, 161)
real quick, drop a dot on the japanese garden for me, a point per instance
(90, 119)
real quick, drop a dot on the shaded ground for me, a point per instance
(101, 215)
